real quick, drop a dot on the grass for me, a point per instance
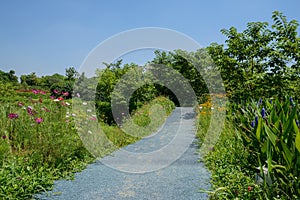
(40, 141)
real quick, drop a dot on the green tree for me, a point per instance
(260, 61)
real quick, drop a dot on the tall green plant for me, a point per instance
(270, 131)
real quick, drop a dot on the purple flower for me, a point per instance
(38, 120)
(253, 124)
(4, 137)
(259, 102)
(291, 99)
(256, 120)
(263, 112)
(13, 115)
(297, 122)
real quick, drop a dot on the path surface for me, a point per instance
(182, 179)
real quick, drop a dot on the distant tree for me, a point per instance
(71, 74)
(9, 77)
(30, 79)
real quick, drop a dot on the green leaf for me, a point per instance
(297, 141)
(259, 129)
(287, 154)
(271, 136)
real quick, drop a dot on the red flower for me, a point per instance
(38, 120)
(60, 98)
(250, 188)
(13, 115)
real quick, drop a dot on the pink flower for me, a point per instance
(52, 97)
(13, 115)
(30, 111)
(56, 91)
(38, 120)
(35, 91)
(65, 94)
(60, 98)
(42, 92)
(93, 118)
(20, 104)
(250, 188)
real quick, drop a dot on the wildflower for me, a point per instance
(13, 115)
(20, 104)
(67, 103)
(73, 114)
(250, 188)
(93, 118)
(35, 91)
(263, 112)
(55, 100)
(56, 91)
(38, 120)
(259, 102)
(90, 132)
(297, 122)
(84, 103)
(40, 100)
(256, 120)
(4, 137)
(253, 124)
(88, 110)
(65, 94)
(52, 97)
(30, 111)
(42, 92)
(292, 102)
(60, 98)
(78, 95)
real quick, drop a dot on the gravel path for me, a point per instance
(127, 176)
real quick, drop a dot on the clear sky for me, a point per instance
(47, 36)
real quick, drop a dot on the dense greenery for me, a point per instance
(256, 157)
(260, 61)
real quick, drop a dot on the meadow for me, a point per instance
(40, 143)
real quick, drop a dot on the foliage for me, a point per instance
(260, 61)
(270, 132)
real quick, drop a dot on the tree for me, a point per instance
(71, 74)
(260, 61)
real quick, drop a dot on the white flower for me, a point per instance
(55, 100)
(84, 103)
(212, 108)
(88, 110)
(67, 103)
(73, 114)
(90, 132)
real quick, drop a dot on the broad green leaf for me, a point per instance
(271, 136)
(259, 129)
(297, 141)
(287, 154)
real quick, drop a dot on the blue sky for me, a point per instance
(46, 36)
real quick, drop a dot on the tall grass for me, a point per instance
(40, 143)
